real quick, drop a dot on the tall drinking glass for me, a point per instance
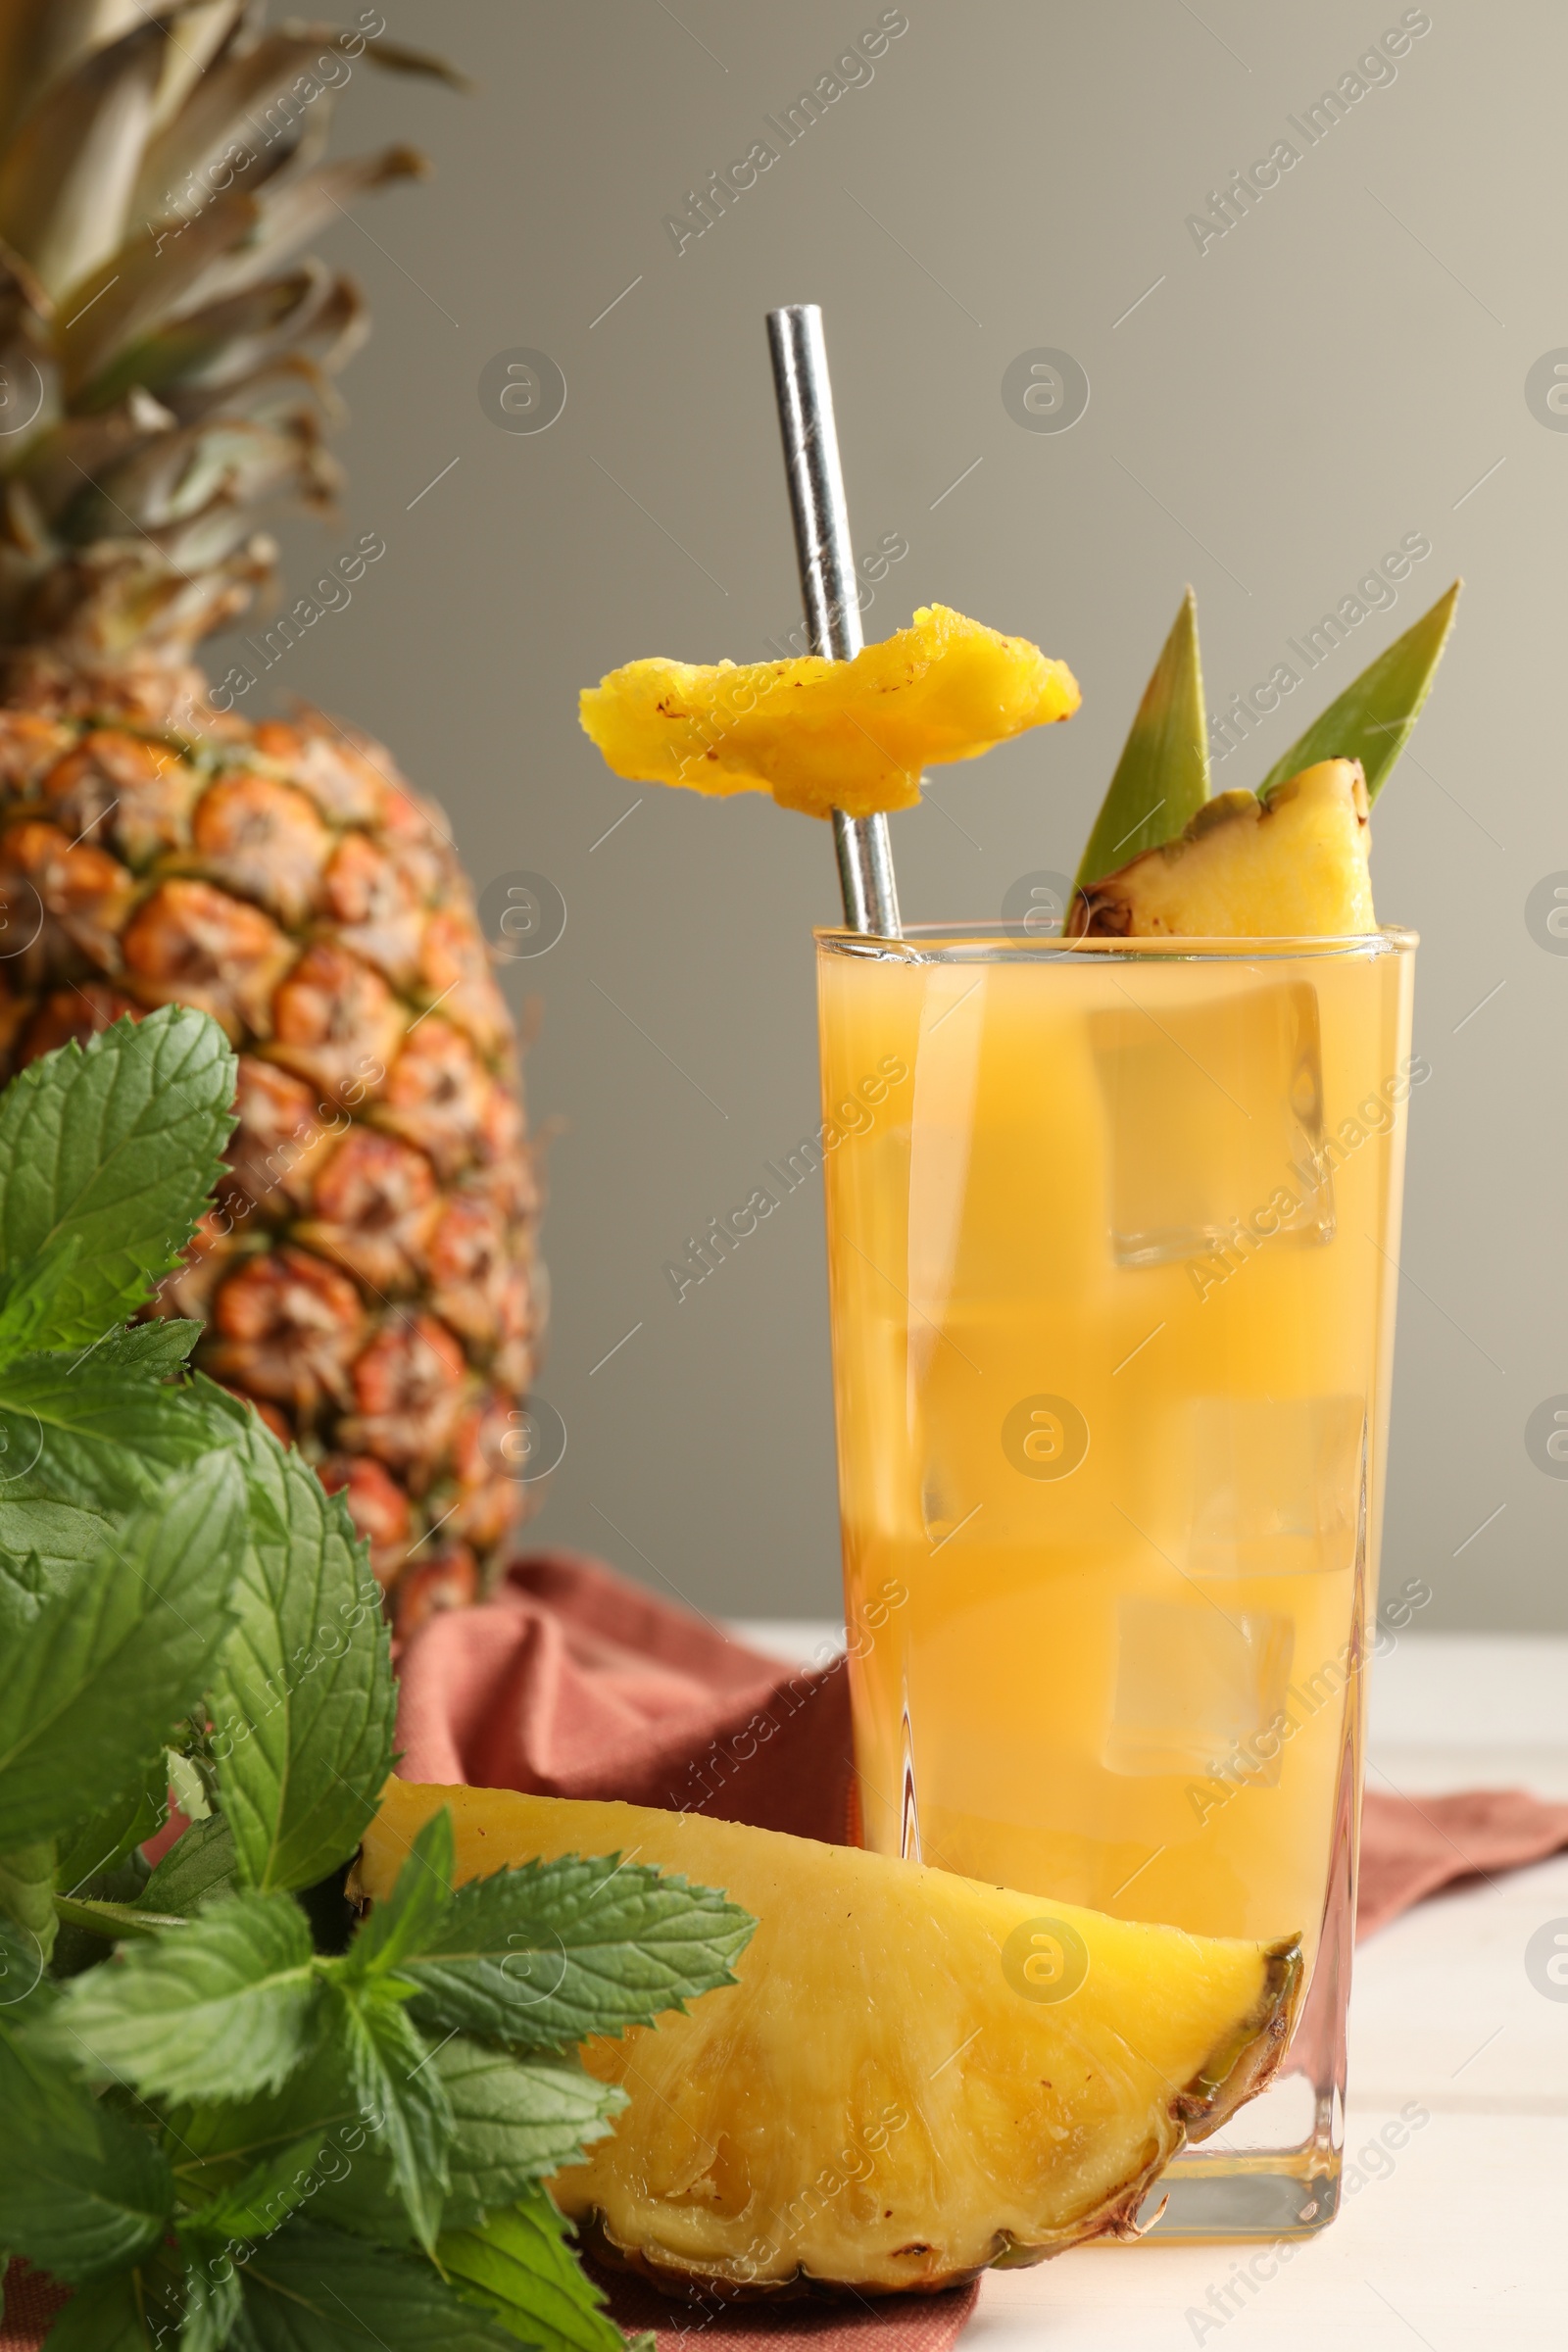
(1113, 1241)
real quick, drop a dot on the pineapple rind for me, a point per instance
(874, 2105)
(822, 735)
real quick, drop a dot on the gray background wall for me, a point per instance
(1347, 365)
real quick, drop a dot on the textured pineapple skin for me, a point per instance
(1292, 868)
(823, 735)
(876, 2105)
(366, 1275)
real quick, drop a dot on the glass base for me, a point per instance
(1248, 2192)
(1290, 2189)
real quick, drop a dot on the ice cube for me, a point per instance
(1195, 1686)
(1215, 1118)
(1277, 1484)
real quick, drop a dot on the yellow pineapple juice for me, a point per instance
(1112, 1285)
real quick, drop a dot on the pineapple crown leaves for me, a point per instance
(164, 350)
(229, 2116)
(1162, 777)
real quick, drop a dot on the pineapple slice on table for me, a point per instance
(822, 735)
(915, 2077)
(1292, 865)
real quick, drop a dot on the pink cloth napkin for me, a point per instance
(1412, 1846)
(573, 1682)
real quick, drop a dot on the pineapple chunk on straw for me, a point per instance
(822, 735)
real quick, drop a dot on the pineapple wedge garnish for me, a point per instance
(1292, 865)
(915, 2077)
(822, 735)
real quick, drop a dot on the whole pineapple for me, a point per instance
(368, 1275)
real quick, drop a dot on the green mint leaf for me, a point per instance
(304, 1703)
(34, 1306)
(97, 1431)
(517, 2119)
(54, 1543)
(1372, 719)
(106, 2317)
(551, 1953)
(199, 1868)
(316, 2289)
(220, 2007)
(1161, 779)
(114, 1145)
(26, 1989)
(83, 1439)
(364, 2199)
(520, 2266)
(213, 2299)
(215, 2147)
(82, 2191)
(261, 2199)
(412, 1914)
(27, 1893)
(23, 1590)
(97, 1436)
(100, 1844)
(390, 2069)
(109, 1919)
(156, 1350)
(97, 1680)
(187, 1787)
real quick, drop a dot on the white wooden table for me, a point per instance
(1459, 2241)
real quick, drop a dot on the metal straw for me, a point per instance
(827, 580)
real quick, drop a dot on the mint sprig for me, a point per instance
(218, 2132)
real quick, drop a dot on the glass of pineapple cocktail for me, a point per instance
(1112, 1301)
(1113, 1238)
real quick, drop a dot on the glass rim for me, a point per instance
(997, 939)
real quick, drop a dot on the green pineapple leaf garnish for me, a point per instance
(1372, 719)
(1161, 779)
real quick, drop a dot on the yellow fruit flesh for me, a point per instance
(1293, 868)
(896, 2093)
(822, 735)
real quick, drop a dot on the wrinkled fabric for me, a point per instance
(572, 1682)
(1412, 1846)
